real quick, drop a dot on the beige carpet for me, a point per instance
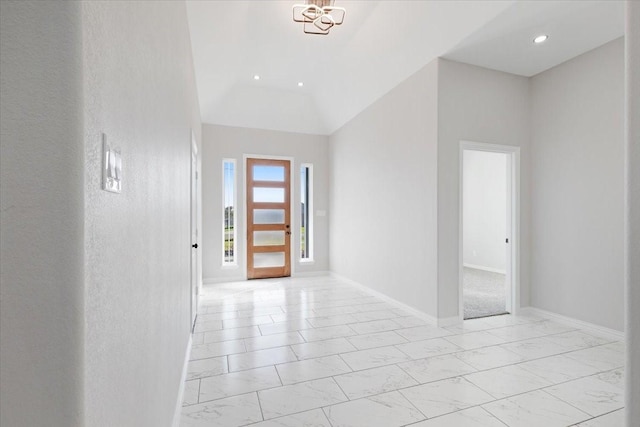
(484, 293)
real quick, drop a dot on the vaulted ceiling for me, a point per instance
(379, 45)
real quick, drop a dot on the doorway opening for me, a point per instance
(194, 231)
(488, 219)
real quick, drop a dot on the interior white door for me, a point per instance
(194, 231)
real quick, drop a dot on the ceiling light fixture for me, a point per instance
(541, 39)
(256, 77)
(300, 84)
(318, 16)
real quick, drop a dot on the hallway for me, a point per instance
(320, 352)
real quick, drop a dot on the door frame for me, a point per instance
(292, 200)
(193, 181)
(513, 185)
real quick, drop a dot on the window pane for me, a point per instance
(229, 229)
(268, 216)
(268, 173)
(268, 259)
(268, 195)
(268, 238)
(305, 207)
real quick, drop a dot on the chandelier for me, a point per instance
(318, 16)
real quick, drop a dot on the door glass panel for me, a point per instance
(268, 259)
(268, 173)
(268, 195)
(268, 216)
(268, 238)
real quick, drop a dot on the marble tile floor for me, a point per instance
(320, 352)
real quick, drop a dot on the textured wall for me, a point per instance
(41, 193)
(632, 232)
(577, 201)
(383, 193)
(140, 91)
(220, 142)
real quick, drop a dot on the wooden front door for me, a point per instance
(268, 218)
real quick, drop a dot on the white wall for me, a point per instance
(383, 194)
(41, 199)
(220, 142)
(577, 196)
(484, 217)
(632, 212)
(479, 105)
(140, 91)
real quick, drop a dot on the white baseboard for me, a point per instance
(183, 378)
(449, 321)
(597, 329)
(482, 267)
(310, 273)
(414, 311)
(216, 280)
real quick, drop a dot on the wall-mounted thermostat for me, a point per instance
(111, 167)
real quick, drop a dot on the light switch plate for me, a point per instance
(111, 167)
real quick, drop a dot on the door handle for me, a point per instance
(288, 233)
(195, 246)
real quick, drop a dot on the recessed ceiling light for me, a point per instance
(256, 77)
(300, 84)
(541, 39)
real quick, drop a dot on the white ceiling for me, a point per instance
(379, 45)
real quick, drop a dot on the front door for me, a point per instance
(268, 218)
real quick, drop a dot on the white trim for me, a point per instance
(235, 212)
(309, 258)
(601, 330)
(449, 321)
(311, 273)
(513, 268)
(414, 311)
(215, 280)
(482, 267)
(183, 378)
(292, 198)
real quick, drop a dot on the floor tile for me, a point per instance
(211, 325)
(436, 368)
(246, 321)
(473, 340)
(311, 369)
(313, 418)
(207, 367)
(576, 340)
(271, 341)
(337, 319)
(472, 417)
(443, 397)
(507, 381)
(535, 409)
(278, 328)
(326, 333)
(372, 358)
(535, 348)
(604, 358)
(374, 381)
(374, 315)
(374, 326)
(222, 348)
(322, 348)
(591, 395)
(231, 334)
(257, 359)
(428, 348)
(300, 397)
(266, 311)
(420, 333)
(378, 339)
(615, 418)
(558, 369)
(489, 357)
(383, 410)
(410, 321)
(235, 383)
(191, 390)
(230, 412)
